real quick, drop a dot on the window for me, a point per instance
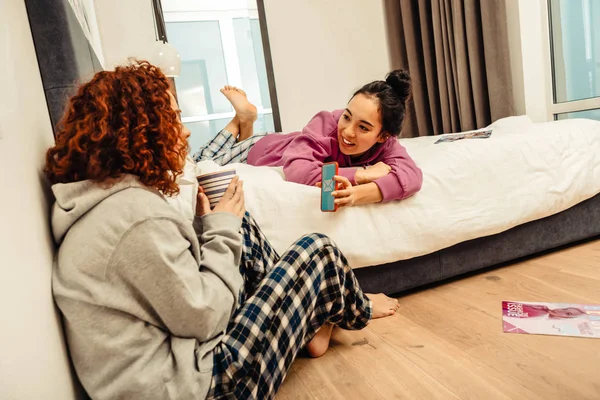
(575, 55)
(589, 114)
(219, 43)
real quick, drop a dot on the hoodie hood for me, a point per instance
(73, 200)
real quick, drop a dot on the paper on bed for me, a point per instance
(453, 137)
(472, 188)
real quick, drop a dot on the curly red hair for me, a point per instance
(121, 122)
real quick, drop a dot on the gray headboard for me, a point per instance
(64, 54)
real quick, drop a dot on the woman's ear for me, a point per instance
(383, 136)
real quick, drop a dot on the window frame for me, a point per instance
(553, 108)
(232, 62)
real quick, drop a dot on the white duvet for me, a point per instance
(471, 188)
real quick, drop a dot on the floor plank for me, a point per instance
(523, 360)
(391, 374)
(294, 389)
(464, 375)
(447, 342)
(332, 377)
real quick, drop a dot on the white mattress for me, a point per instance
(471, 188)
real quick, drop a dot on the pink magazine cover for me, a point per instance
(561, 319)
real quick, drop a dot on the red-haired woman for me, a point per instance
(158, 308)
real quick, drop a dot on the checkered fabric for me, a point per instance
(283, 303)
(223, 148)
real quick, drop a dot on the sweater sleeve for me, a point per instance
(154, 260)
(304, 156)
(349, 173)
(405, 178)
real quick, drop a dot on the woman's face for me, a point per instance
(359, 127)
(569, 312)
(184, 133)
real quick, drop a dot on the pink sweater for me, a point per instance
(301, 154)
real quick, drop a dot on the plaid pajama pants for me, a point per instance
(223, 149)
(283, 303)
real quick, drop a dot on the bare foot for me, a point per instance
(244, 110)
(320, 342)
(383, 306)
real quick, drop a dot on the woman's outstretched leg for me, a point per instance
(309, 286)
(233, 143)
(245, 112)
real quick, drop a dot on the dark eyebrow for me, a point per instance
(362, 120)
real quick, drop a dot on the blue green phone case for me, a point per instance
(328, 185)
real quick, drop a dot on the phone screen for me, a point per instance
(328, 185)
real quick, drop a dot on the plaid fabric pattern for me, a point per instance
(283, 303)
(223, 149)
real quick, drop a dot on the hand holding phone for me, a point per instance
(328, 185)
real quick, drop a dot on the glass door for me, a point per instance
(220, 44)
(575, 56)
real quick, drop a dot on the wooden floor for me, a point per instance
(447, 342)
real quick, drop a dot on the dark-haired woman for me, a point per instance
(362, 139)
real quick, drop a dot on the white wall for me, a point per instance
(529, 57)
(323, 50)
(33, 359)
(126, 29)
(516, 56)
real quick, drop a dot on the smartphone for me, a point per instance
(328, 185)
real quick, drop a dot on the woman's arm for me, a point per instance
(348, 195)
(154, 262)
(394, 177)
(371, 173)
(304, 156)
(302, 160)
(404, 179)
(367, 193)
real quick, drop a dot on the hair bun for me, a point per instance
(399, 80)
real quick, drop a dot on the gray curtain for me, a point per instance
(457, 54)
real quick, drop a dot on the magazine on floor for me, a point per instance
(481, 134)
(561, 319)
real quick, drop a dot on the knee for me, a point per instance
(320, 246)
(317, 241)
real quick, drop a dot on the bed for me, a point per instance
(528, 188)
